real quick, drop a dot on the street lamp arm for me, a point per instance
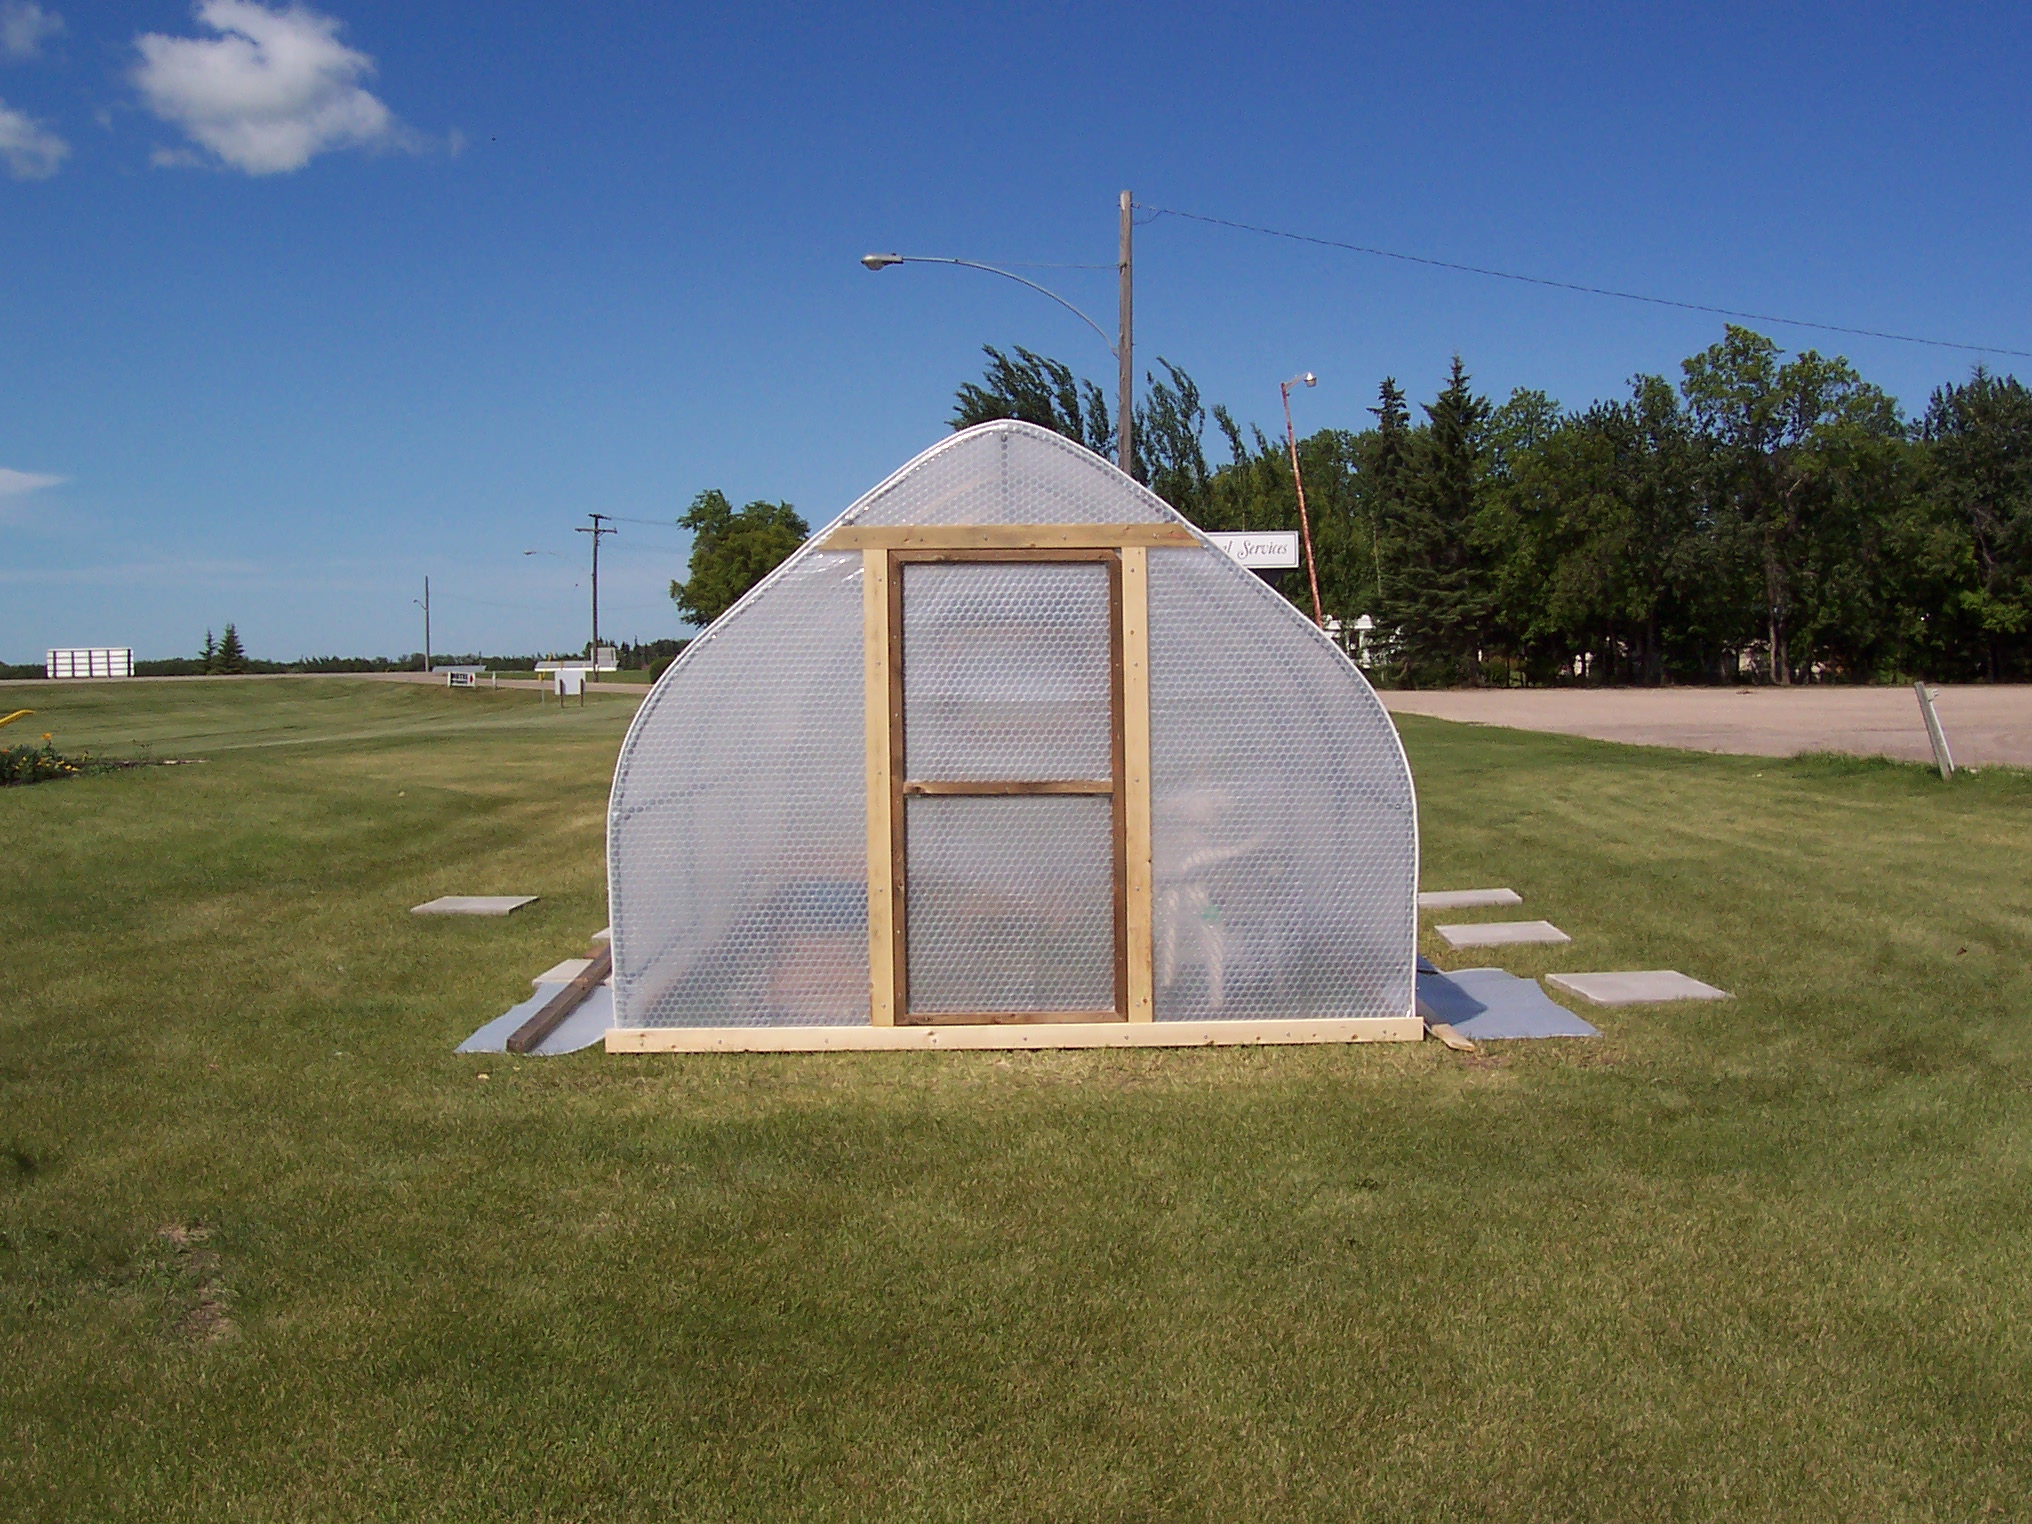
(880, 261)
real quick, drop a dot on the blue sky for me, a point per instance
(297, 306)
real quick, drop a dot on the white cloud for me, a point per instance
(24, 26)
(13, 483)
(31, 150)
(271, 91)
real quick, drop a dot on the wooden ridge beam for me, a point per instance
(1005, 536)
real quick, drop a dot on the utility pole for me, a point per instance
(1298, 481)
(598, 528)
(426, 623)
(1125, 391)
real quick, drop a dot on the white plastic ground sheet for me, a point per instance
(584, 1027)
(1642, 987)
(1486, 1004)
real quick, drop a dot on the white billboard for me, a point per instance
(89, 661)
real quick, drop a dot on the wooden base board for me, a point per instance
(1099, 1034)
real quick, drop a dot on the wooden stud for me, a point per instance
(1134, 771)
(1118, 820)
(1005, 536)
(994, 787)
(882, 903)
(899, 817)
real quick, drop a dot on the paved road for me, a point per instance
(434, 679)
(1984, 724)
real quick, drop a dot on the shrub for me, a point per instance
(37, 764)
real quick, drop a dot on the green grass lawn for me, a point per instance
(270, 1250)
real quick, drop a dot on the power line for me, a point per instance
(1567, 285)
(514, 608)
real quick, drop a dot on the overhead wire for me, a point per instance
(1576, 286)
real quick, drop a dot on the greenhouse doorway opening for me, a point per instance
(1008, 829)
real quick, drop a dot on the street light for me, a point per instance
(1304, 523)
(424, 604)
(884, 261)
(1123, 349)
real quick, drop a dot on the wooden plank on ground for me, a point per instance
(546, 1021)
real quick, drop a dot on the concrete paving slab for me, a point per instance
(1645, 987)
(563, 972)
(604, 934)
(474, 904)
(1468, 899)
(1501, 933)
(1490, 1004)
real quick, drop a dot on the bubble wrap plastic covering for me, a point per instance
(737, 845)
(1008, 473)
(1012, 904)
(1006, 671)
(1284, 834)
(1285, 846)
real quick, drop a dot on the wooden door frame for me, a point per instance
(1124, 551)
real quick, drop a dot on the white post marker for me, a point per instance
(1942, 758)
(1273, 550)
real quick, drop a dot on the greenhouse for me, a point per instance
(1011, 755)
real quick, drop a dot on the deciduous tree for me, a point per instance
(732, 551)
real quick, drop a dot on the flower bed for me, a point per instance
(37, 764)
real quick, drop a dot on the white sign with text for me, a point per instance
(1267, 551)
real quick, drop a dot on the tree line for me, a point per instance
(1768, 516)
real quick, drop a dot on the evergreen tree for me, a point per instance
(210, 653)
(1383, 458)
(229, 658)
(1437, 595)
